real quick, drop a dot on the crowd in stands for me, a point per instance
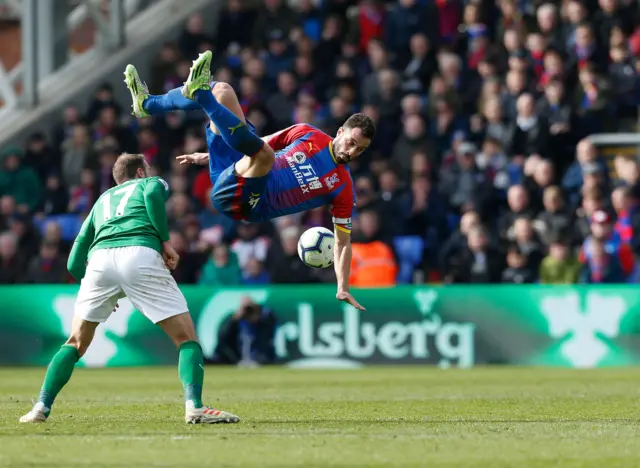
(481, 171)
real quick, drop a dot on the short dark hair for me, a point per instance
(364, 123)
(126, 167)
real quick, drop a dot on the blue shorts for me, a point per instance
(238, 197)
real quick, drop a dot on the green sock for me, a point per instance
(58, 374)
(191, 371)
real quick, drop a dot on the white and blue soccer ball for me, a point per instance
(315, 247)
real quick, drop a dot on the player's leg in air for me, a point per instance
(145, 104)
(258, 157)
(140, 274)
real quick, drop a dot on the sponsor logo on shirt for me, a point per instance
(304, 174)
(299, 157)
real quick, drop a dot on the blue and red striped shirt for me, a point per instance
(306, 175)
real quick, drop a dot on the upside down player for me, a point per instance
(126, 241)
(296, 169)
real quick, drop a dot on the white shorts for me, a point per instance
(136, 272)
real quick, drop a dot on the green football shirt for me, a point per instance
(132, 213)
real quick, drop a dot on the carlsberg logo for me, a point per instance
(581, 326)
(308, 339)
(353, 338)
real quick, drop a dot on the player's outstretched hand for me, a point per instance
(348, 298)
(195, 158)
(170, 256)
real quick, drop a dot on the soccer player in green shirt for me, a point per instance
(126, 241)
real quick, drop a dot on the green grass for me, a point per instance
(486, 417)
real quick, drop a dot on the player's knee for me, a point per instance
(264, 158)
(222, 90)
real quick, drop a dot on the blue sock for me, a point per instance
(173, 100)
(232, 130)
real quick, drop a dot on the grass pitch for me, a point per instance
(485, 417)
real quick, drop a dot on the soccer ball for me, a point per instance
(315, 247)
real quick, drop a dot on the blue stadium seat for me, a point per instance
(69, 225)
(409, 250)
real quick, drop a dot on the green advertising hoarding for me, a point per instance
(446, 326)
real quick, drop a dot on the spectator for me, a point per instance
(555, 218)
(103, 99)
(284, 264)
(77, 154)
(591, 99)
(190, 262)
(247, 336)
(278, 58)
(19, 181)
(221, 269)
(547, 18)
(233, 25)
(250, 243)
(529, 133)
(254, 273)
(518, 272)
(7, 211)
(601, 266)
(373, 262)
(55, 198)
(627, 225)
(624, 82)
(192, 36)
(556, 108)
(602, 233)
(275, 15)
(560, 266)
(282, 103)
(414, 138)
(527, 242)
(47, 268)
(480, 262)
(52, 235)
(466, 186)
(518, 206)
(390, 204)
(405, 19)
(13, 263)
(40, 156)
(423, 209)
(422, 65)
(573, 178)
(540, 177)
(64, 130)
(457, 241)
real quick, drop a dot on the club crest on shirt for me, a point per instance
(299, 157)
(332, 181)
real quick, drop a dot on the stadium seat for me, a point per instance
(69, 225)
(409, 250)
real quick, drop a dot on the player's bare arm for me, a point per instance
(342, 265)
(200, 159)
